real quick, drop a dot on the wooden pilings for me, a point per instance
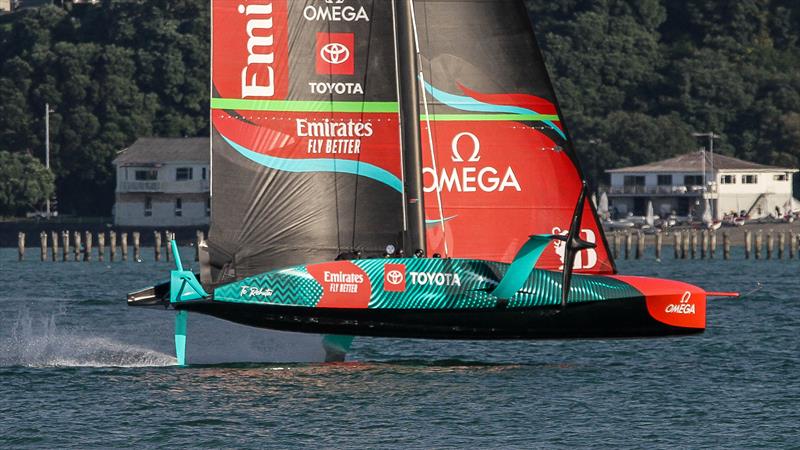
(123, 243)
(168, 249)
(21, 246)
(137, 250)
(766, 244)
(200, 237)
(65, 250)
(157, 248)
(87, 254)
(77, 238)
(112, 245)
(54, 245)
(640, 245)
(759, 243)
(748, 243)
(101, 247)
(659, 241)
(43, 245)
(704, 244)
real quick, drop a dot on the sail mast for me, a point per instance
(407, 72)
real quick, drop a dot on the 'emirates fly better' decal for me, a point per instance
(304, 106)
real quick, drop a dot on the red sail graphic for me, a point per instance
(499, 164)
(499, 183)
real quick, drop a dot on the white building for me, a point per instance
(163, 182)
(680, 185)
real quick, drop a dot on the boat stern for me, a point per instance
(672, 303)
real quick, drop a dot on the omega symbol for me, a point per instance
(334, 53)
(476, 147)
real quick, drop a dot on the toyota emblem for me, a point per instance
(394, 277)
(334, 53)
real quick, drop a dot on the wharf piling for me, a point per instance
(65, 250)
(759, 243)
(101, 246)
(200, 237)
(704, 244)
(123, 246)
(770, 244)
(726, 246)
(54, 245)
(43, 245)
(157, 248)
(112, 244)
(748, 244)
(76, 236)
(168, 252)
(628, 245)
(137, 250)
(659, 241)
(87, 255)
(21, 246)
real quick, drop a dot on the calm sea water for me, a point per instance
(78, 368)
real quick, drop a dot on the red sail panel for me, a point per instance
(499, 183)
(504, 166)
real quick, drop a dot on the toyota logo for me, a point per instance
(334, 53)
(394, 277)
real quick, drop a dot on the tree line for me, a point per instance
(635, 79)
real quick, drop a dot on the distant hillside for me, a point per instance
(635, 79)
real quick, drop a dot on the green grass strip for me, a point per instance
(490, 117)
(303, 106)
(365, 107)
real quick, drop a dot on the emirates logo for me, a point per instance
(334, 53)
(394, 277)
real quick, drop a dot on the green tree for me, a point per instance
(25, 184)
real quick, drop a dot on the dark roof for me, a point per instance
(161, 150)
(693, 162)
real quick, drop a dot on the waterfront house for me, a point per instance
(681, 185)
(163, 183)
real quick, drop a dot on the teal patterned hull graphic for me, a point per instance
(296, 286)
(413, 284)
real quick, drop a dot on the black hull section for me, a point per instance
(627, 318)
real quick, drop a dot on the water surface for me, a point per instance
(78, 368)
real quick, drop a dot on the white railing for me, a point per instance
(193, 186)
(658, 190)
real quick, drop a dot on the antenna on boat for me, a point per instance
(573, 244)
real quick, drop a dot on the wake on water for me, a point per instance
(42, 343)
